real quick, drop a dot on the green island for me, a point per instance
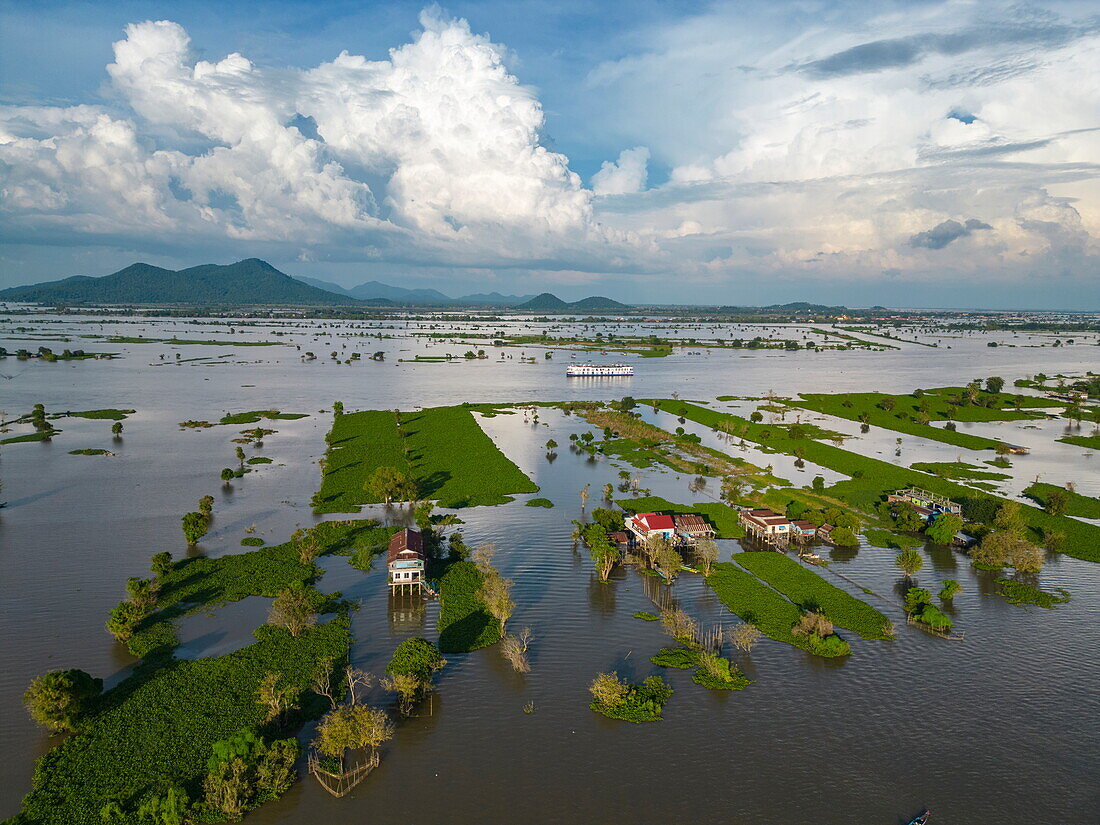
(811, 593)
(616, 698)
(442, 451)
(255, 416)
(465, 623)
(1058, 499)
(1091, 442)
(912, 413)
(157, 729)
(870, 479)
(111, 414)
(91, 451)
(889, 539)
(28, 437)
(539, 502)
(1021, 593)
(776, 617)
(710, 670)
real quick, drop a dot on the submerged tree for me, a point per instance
(390, 484)
(57, 700)
(943, 528)
(194, 527)
(705, 554)
(745, 636)
(909, 561)
(514, 649)
(294, 610)
(496, 593)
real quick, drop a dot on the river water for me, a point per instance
(1002, 725)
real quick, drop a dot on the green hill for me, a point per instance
(250, 281)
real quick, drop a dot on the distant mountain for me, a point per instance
(545, 301)
(597, 302)
(802, 306)
(397, 294)
(548, 302)
(250, 281)
(418, 297)
(493, 299)
(328, 286)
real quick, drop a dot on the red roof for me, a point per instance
(654, 521)
(406, 544)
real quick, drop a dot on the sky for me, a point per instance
(909, 154)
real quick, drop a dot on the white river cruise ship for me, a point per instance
(600, 370)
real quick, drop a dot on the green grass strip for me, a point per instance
(1091, 442)
(812, 593)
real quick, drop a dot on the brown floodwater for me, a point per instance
(1002, 725)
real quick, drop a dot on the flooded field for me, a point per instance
(1002, 725)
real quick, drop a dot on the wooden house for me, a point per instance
(766, 525)
(690, 527)
(405, 560)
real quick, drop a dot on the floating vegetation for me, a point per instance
(1019, 593)
(254, 417)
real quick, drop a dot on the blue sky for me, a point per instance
(908, 154)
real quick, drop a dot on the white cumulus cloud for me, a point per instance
(625, 176)
(434, 154)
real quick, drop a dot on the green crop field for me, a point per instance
(454, 462)
(812, 593)
(359, 443)
(442, 450)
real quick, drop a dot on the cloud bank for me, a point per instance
(433, 155)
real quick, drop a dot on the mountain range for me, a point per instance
(421, 297)
(548, 302)
(250, 281)
(253, 282)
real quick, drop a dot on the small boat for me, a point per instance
(921, 818)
